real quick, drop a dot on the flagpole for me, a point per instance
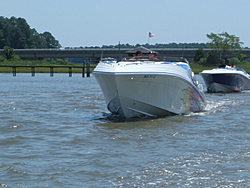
(148, 37)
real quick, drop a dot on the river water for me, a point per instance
(57, 132)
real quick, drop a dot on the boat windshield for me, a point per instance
(232, 68)
(164, 59)
(240, 69)
(142, 58)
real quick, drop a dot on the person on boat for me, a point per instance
(233, 65)
(138, 55)
(223, 64)
(152, 56)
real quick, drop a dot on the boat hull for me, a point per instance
(153, 94)
(225, 82)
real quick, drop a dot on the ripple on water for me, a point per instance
(60, 134)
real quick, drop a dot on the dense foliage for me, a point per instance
(224, 46)
(16, 33)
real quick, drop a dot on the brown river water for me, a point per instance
(57, 132)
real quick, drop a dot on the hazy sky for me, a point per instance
(77, 23)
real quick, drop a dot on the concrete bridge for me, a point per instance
(96, 53)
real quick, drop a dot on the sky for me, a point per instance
(76, 23)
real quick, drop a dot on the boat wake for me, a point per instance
(118, 118)
(217, 105)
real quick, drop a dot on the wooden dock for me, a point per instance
(84, 69)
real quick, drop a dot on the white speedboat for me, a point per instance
(139, 88)
(224, 80)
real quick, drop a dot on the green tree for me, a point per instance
(212, 58)
(3, 31)
(242, 57)
(35, 40)
(16, 33)
(49, 41)
(19, 33)
(224, 44)
(198, 55)
(8, 52)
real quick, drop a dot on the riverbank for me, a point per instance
(63, 67)
(199, 68)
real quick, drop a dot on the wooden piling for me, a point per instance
(14, 71)
(51, 72)
(83, 71)
(88, 70)
(70, 71)
(32, 71)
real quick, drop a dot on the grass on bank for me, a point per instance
(197, 68)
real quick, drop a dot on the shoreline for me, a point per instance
(196, 68)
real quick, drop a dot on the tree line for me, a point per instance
(223, 45)
(16, 33)
(159, 45)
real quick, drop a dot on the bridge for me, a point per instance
(96, 53)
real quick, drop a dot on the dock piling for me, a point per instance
(83, 71)
(88, 70)
(51, 72)
(70, 71)
(32, 71)
(14, 71)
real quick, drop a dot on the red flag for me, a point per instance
(151, 34)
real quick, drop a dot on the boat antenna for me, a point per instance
(119, 51)
(102, 54)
